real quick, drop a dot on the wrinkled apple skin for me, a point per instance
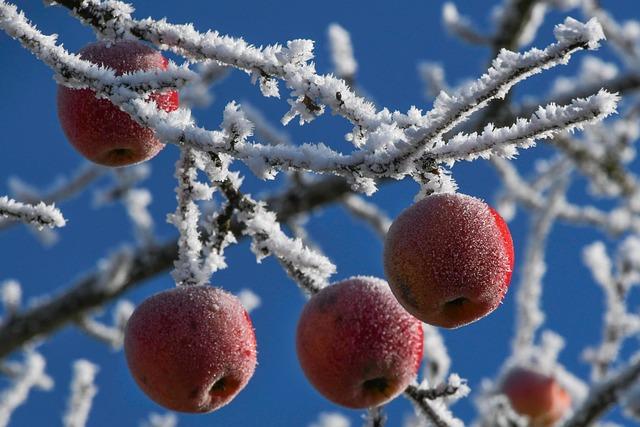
(99, 130)
(448, 259)
(191, 348)
(357, 346)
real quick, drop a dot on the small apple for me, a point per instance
(99, 130)
(536, 395)
(191, 348)
(356, 345)
(448, 259)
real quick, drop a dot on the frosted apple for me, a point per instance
(357, 346)
(448, 259)
(191, 348)
(99, 130)
(536, 395)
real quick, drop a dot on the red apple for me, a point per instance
(536, 395)
(357, 345)
(191, 348)
(99, 130)
(448, 259)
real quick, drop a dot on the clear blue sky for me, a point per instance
(389, 40)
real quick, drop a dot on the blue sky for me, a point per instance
(389, 40)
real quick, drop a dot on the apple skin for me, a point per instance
(99, 130)
(357, 346)
(536, 395)
(448, 259)
(191, 348)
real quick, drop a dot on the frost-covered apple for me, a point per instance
(356, 345)
(99, 130)
(536, 395)
(448, 259)
(191, 348)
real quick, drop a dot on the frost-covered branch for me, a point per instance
(375, 417)
(542, 125)
(64, 189)
(529, 315)
(11, 297)
(309, 269)
(369, 213)
(616, 222)
(77, 73)
(437, 360)
(331, 419)
(434, 411)
(344, 63)
(112, 335)
(604, 395)
(433, 76)
(461, 26)
(403, 137)
(618, 322)
(135, 200)
(89, 293)
(512, 18)
(160, 420)
(188, 269)
(83, 390)
(625, 41)
(31, 373)
(40, 215)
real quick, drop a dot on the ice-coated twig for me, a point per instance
(375, 417)
(188, 266)
(437, 360)
(64, 189)
(125, 179)
(512, 19)
(626, 44)
(31, 373)
(331, 419)
(263, 129)
(13, 369)
(160, 420)
(496, 411)
(461, 26)
(603, 395)
(196, 93)
(114, 270)
(88, 292)
(344, 63)
(83, 390)
(86, 74)
(112, 335)
(11, 297)
(135, 200)
(434, 411)
(433, 76)
(616, 222)
(403, 137)
(529, 315)
(542, 125)
(618, 322)
(249, 300)
(40, 215)
(369, 213)
(309, 90)
(309, 269)
(607, 173)
(454, 388)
